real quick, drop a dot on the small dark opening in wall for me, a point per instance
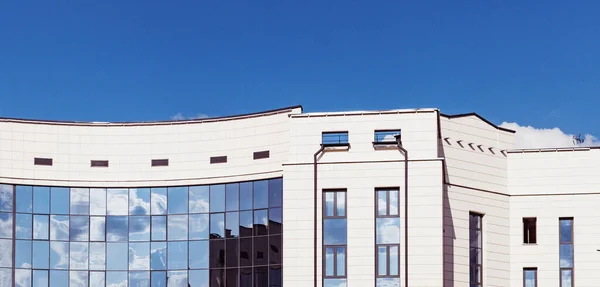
(261, 154)
(218, 159)
(160, 162)
(42, 161)
(99, 163)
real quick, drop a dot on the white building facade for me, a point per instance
(286, 198)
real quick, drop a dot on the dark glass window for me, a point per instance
(475, 249)
(529, 230)
(566, 252)
(334, 138)
(334, 237)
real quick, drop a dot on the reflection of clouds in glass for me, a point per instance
(6, 197)
(159, 201)
(79, 230)
(97, 256)
(22, 278)
(199, 226)
(118, 201)
(198, 254)
(23, 229)
(59, 227)
(177, 255)
(334, 282)
(6, 225)
(80, 200)
(59, 255)
(116, 228)
(116, 279)
(139, 279)
(158, 255)
(40, 227)
(177, 279)
(381, 204)
(393, 202)
(79, 255)
(139, 228)
(388, 282)
(199, 278)
(329, 262)
(97, 279)
(199, 199)
(388, 230)
(97, 201)
(78, 279)
(177, 227)
(5, 277)
(139, 256)
(97, 228)
(139, 201)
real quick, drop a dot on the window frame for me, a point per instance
(479, 217)
(527, 229)
(377, 140)
(387, 246)
(525, 269)
(335, 247)
(339, 135)
(561, 243)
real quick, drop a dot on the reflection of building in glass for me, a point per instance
(369, 198)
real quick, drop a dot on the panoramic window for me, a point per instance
(529, 230)
(334, 138)
(475, 249)
(386, 136)
(529, 277)
(230, 234)
(566, 252)
(334, 238)
(387, 237)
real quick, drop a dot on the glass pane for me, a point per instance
(6, 198)
(159, 228)
(566, 256)
(6, 225)
(393, 202)
(246, 251)
(381, 260)
(382, 202)
(394, 260)
(97, 255)
(139, 256)
(24, 229)
(566, 228)
(80, 201)
(24, 199)
(59, 278)
(261, 222)
(217, 225)
(178, 200)
(139, 279)
(118, 199)
(23, 254)
(246, 195)
(116, 279)
(388, 230)
(177, 227)
(80, 228)
(6, 275)
(232, 275)
(232, 200)
(217, 198)
(341, 261)
(117, 228)
(97, 228)
(59, 255)
(388, 282)
(275, 276)
(41, 200)
(59, 200)
(566, 279)
(329, 261)
(98, 202)
(232, 225)
(334, 231)
(41, 227)
(159, 279)
(158, 201)
(275, 221)
(40, 278)
(177, 279)
(199, 278)
(246, 277)
(246, 223)
(334, 283)
(276, 192)
(139, 228)
(177, 255)
(198, 226)
(199, 197)
(232, 252)
(41, 254)
(341, 204)
(116, 256)
(217, 278)
(198, 254)
(78, 279)
(158, 256)
(261, 250)
(329, 199)
(79, 255)
(275, 249)
(22, 278)
(217, 253)
(261, 276)
(261, 194)
(139, 201)
(530, 278)
(6, 249)
(97, 279)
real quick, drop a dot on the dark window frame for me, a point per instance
(534, 269)
(45, 161)
(160, 162)
(218, 159)
(261, 154)
(99, 163)
(529, 227)
(334, 246)
(336, 139)
(378, 139)
(479, 218)
(387, 214)
(561, 243)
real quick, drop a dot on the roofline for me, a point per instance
(154, 123)
(361, 113)
(480, 117)
(552, 149)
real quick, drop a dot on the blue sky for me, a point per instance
(515, 61)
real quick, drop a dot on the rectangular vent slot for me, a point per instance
(99, 163)
(160, 162)
(42, 161)
(261, 154)
(218, 159)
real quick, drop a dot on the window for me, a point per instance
(386, 136)
(160, 162)
(529, 277)
(261, 154)
(334, 138)
(42, 161)
(218, 159)
(99, 163)
(334, 238)
(529, 230)
(387, 237)
(475, 250)
(566, 252)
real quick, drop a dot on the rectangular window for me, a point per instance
(386, 136)
(475, 249)
(160, 162)
(218, 159)
(42, 161)
(387, 237)
(334, 237)
(261, 154)
(529, 230)
(334, 138)
(99, 163)
(529, 277)
(566, 252)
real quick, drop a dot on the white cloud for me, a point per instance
(530, 137)
(181, 117)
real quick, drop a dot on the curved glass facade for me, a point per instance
(211, 235)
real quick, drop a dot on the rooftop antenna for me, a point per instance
(578, 139)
